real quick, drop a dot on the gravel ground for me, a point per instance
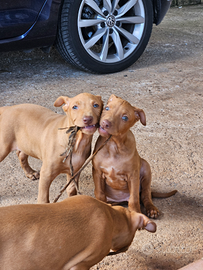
(167, 82)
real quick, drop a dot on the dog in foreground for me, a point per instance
(196, 265)
(35, 131)
(120, 174)
(73, 234)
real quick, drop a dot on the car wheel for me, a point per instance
(104, 36)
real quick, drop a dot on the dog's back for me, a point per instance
(52, 236)
(2, 109)
(79, 231)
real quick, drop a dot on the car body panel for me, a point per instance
(27, 24)
(16, 18)
(160, 9)
(30, 26)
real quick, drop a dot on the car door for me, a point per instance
(18, 16)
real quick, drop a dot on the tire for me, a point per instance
(95, 36)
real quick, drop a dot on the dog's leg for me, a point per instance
(29, 172)
(47, 174)
(99, 183)
(71, 189)
(89, 261)
(145, 179)
(5, 143)
(134, 186)
(4, 151)
(80, 266)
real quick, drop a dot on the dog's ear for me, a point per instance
(112, 97)
(60, 101)
(151, 226)
(102, 103)
(99, 97)
(140, 115)
(140, 221)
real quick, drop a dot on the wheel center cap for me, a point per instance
(110, 21)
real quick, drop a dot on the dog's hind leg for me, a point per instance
(5, 146)
(5, 141)
(4, 151)
(80, 267)
(145, 181)
(29, 172)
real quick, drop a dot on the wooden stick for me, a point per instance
(83, 166)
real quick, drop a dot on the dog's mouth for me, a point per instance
(103, 132)
(90, 128)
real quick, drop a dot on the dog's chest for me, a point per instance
(117, 168)
(115, 177)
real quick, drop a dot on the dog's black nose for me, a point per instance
(87, 120)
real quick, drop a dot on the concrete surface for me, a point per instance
(167, 82)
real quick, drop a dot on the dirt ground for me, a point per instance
(167, 82)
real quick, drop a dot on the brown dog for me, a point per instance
(119, 172)
(35, 131)
(73, 234)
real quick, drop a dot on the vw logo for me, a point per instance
(110, 21)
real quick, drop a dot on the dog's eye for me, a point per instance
(124, 118)
(75, 107)
(107, 108)
(96, 105)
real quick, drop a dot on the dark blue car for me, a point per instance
(101, 36)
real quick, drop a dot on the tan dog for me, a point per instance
(197, 265)
(34, 131)
(119, 172)
(73, 234)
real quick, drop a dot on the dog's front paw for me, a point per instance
(152, 212)
(34, 175)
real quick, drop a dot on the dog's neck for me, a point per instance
(82, 140)
(123, 232)
(121, 142)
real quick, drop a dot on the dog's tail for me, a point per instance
(164, 194)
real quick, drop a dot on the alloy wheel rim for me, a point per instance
(110, 31)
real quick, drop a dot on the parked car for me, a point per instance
(101, 36)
